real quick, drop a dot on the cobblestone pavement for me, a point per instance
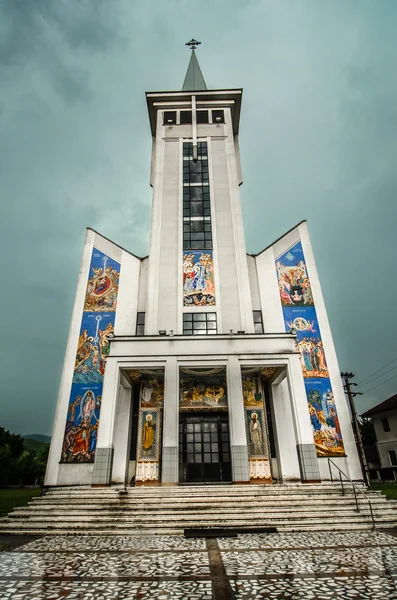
(315, 566)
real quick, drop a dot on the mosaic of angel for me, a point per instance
(294, 284)
(198, 279)
(302, 324)
(152, 393)
(102, 289)
(312, 357)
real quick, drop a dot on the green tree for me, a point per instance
(19, 465)
(367, 431)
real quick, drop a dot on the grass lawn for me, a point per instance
(16, 497)
(389, 489)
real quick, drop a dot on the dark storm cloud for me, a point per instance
(48, 35)
(317, 140)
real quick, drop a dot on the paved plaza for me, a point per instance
(322, 565)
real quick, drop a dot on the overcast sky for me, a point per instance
(318, 141)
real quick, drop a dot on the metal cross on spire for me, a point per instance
(194, 80)
(193, 44)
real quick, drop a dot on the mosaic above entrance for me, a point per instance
(300, 317)
(202, 391)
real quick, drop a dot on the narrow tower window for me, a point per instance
(197, 231)
(386, 426)
(140, 323)
(258, 322)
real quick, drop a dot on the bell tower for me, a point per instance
(197, 258)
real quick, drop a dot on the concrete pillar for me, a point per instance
(170, 451)
(306, 449)
(122, 436)
(284, 432)
(104, 451)
(238, 437)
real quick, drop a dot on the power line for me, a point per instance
(381, 375)
(381, 383)
(377, 371)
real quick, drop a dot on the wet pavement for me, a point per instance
(315, 566)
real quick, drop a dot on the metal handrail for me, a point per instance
(355, 487)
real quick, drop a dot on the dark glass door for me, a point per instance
(204, 449)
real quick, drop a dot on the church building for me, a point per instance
(199, 363)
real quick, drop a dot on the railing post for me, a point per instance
(330, 471)
(354, 490)
(355, 497)
(372, 514)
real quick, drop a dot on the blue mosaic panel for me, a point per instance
(198, 278)
(97, 326)
(300, 317)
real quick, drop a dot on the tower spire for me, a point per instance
(194, 80)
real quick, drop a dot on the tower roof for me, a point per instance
(194, 80)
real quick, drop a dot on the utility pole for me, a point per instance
(347, 387)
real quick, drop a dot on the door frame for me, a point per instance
(225, 468)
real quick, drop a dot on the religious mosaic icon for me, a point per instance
(198, 394)
(198, 279)
(93, 348)
(89, 367)
(103, 285)
(252, 396)
(300, 318)
(152, 392)
(324, 418)
(82, 424)
(293, 283)
(149, 433)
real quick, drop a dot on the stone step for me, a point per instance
(203, 499)
(153, 509)
(177, 532)
(164, 492)
(329, 508)
(201, 496)
(147, 528)
(235, 491)
(192, 505)
(193, 519)
(218, 516)
(209, 486)
(168, 510)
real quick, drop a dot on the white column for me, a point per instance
(170, 451)
(238, 437)
(283, 426)
(122, 434)
(306, 449)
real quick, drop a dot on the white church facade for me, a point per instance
(199, 363)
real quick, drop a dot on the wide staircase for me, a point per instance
(169, 510)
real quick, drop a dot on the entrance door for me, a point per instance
(204, 450)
